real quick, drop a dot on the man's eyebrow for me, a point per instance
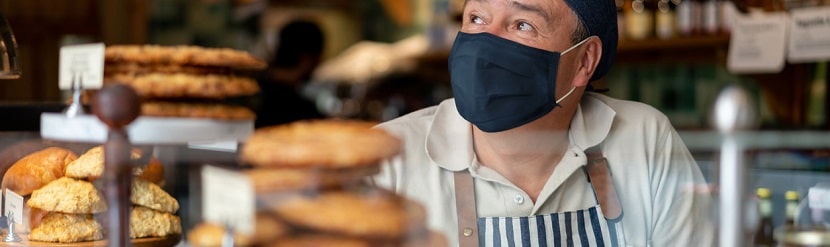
(531, 8)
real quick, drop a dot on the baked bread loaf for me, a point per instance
(319, 143)
(152, 196)
(67, 195)
(153, 172)
(37, 169)
(67, 228)
(145, 222)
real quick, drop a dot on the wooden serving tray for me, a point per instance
(167, 241)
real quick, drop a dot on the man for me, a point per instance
(299, 51)
(528, 137)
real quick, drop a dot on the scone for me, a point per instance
(67, 228)
(152, 196)
(67, 195)
(145, 222)
(90, 166)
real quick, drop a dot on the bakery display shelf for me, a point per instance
(145, 130)
(167, 241)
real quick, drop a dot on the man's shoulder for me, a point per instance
(416, 121)
(629, 111)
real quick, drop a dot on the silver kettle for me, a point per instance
(9, 66)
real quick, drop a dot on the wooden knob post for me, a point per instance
(117, 106)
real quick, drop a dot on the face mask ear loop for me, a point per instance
(577, 45)
(563, 53)
(566, 95)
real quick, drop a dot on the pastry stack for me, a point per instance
(309, 178)
(185, 81)
(65, 209)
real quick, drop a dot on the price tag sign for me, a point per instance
(758, 43)
(85, 61)
(14, 205)
(819, 196)
(809, 35)
(228, 199)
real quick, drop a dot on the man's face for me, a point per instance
(543, 24)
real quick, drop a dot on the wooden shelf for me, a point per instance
(679, 43)
(693, 49)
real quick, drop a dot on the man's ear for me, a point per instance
(589, 61)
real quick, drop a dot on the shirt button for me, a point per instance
(519, 199)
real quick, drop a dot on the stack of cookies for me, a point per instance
(310, 178)
(185, 81)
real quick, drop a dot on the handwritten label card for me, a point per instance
(85, 61)
(758, 43)
(14, 205)
(228, 199)
(809, 35)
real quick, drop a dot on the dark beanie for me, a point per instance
(600, 19)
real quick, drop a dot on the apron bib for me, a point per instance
(585, 227)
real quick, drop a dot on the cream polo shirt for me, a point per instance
(652, 169)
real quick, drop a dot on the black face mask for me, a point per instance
(499, 84)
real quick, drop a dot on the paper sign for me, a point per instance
(228, 199)
(819, 197)
(758, 43)
(14, 205)
(85, 61)
(809, 38)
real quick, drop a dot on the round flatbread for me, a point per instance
(275, 180)
(266, 230)
(196, 110)
(183, 55)
(137, 68)
(321, 240)
(366, 213)
(183, 85)
(322, 143)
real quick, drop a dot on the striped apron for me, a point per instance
(586, 227)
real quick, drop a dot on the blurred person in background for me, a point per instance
(298, 52)
(526, 154)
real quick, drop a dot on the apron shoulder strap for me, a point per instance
(465, 208)
(599, 175)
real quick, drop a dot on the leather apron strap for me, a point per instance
(599, 175)
(465, 208)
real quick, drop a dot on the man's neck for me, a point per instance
(526, 155)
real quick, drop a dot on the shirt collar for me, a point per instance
(590, 125)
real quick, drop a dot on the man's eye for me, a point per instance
(476, 20)
(524, 26)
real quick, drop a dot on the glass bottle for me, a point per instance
(639, 22)
(664, 19)
(764, 233)
(689, 16)
(710, 18)
(791, 207)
